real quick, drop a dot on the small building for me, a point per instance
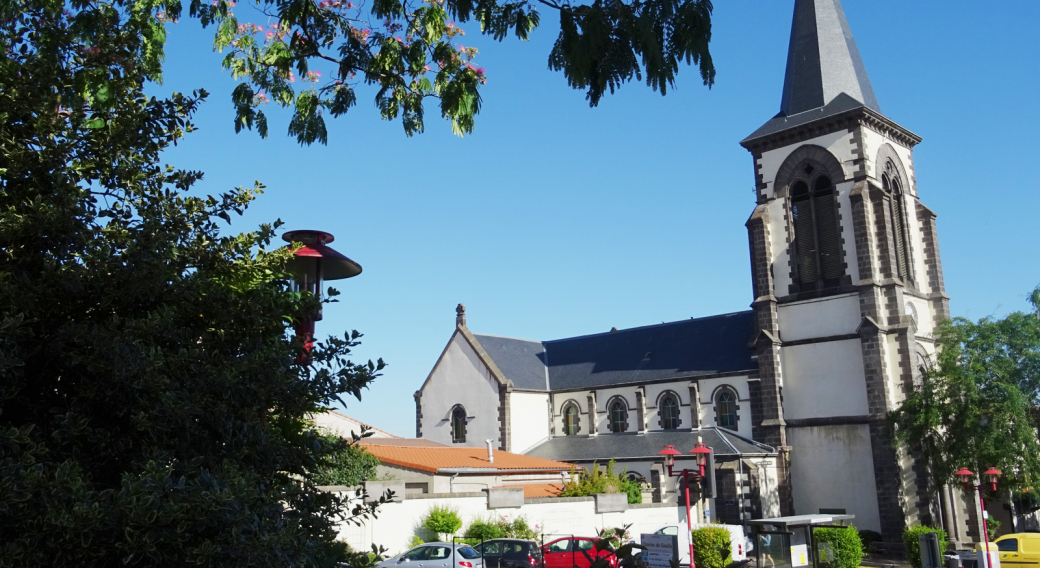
(340, 424)
(444, 469)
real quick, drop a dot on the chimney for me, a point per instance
(460, 316)
(491, 452)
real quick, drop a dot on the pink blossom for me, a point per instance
(480, 70)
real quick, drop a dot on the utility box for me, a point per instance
(931, 555)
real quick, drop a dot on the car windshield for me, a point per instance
(467, 552)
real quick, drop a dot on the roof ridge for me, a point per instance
(507, 337)
(369, 426)
(637, 328)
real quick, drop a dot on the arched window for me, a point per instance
(814, 219)
(617, 410)
(571, 419)
(458, 425)
(726, 408)
(893, 186)
(668, 407)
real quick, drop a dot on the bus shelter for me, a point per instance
(787, 542)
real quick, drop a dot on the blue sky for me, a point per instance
(554, 219)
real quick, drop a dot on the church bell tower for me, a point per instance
(848, 287)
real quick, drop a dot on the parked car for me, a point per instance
(435, 555)
(738, 542)
(509, 553)
(1020, 550)
(574, 551)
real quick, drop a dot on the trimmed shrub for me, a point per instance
(483, 530)
(711, 547)
(594, 480)
(442, 520)
(912, 547)
(839, 548)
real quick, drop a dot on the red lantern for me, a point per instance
(669, 453)
(992, 473)
(312, 264)
(701, 451)
(966, 476)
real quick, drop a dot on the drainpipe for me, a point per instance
(451, 483)
(740, 488)
(491, 452)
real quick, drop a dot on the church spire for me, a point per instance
(822, 61)
(825, 74)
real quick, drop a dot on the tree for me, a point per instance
(347, 464)
(409, 51)
(152, 401)
(976, 407)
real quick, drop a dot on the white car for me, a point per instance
(737, 541)
(436, 555)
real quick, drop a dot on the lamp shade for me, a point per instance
(316, 258)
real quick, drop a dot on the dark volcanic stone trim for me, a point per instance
(848, 120)
(860, 199)
(418, 414)
(504, 429)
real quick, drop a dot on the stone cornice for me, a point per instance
(847, 120)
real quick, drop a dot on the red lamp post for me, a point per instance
(701, 451)
(312, 264)
(968, 479)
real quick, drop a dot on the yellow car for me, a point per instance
(1021, 550)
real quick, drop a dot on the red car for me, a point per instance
(577, 551)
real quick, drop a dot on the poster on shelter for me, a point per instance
(799, 555)
(661, 549)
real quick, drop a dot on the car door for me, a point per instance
(440, 557)
(585, 552)
(1010, 552)
(1029, 549)
(491, 550)
(557, 554)
(414, 558)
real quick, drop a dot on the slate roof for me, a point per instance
(521, 360)
(687, 348)
(604, 446)
(823, 64)
(432, 459)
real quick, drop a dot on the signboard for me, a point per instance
(799, 555)
(661, 549)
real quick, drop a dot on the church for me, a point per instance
(792, 394)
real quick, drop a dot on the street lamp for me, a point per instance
(968, 479)
(701, 451)
(312, 264)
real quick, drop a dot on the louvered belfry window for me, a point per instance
(893, 187)
(817, 242)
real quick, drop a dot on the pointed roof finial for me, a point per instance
(460, 316)
(825, 73)
(823, 61)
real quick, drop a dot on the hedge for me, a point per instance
(845, 548)
(711, 547)
(912, 546)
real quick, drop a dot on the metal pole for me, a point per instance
(985, 525)
(689, 519)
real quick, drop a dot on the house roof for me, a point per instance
(434, 459)
(532, 490)
(406, 442)
(687, 348)
(825, 73)
(583, 448)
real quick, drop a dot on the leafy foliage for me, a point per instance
(502, 527)
(594, 480)
(620, 550)
(912, 546)
(839, 547)
(345, 463)
(977, 406)
(152, 404)
(711, 547)
(408, 51)
(442, 520)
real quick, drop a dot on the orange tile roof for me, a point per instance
(432, 459)
(532, 490)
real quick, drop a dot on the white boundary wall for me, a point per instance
(397, 523)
